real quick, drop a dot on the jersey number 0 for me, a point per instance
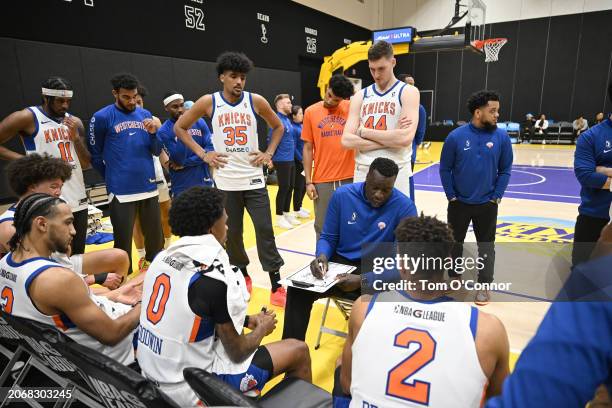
(157, 302)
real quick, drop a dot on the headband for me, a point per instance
(62, 93)
(172, 98)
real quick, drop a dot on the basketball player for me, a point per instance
(195, 310)
(50, 129)
(186, 168)
(35, 287)
(418, 348)
(162, 189)
(122, 140)
(383, 118)
(239, 162)
(107, 267)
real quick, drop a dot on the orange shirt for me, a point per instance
(323, 128)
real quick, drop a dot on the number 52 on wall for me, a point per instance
(194, 18)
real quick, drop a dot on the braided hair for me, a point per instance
(32, 206)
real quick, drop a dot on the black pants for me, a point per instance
(122, 217)
(285, 171)
(299, 303)
(299, 190)
(586, 234)
(80, 225)
(257, 203)
(484, 219)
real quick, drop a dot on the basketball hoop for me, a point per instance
(491, 47)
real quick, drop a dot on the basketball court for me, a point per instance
(448, 63)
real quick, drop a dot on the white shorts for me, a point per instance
(113, 309)
(402, 182)
(164, 191)
(181, 393)
(74, 263)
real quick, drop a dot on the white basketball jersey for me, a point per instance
(415, 354)
(9, 214)
(15, 280)
(382, 112)
(53, 139)
(171, 336)
(234, 132)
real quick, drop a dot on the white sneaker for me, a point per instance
(282, 222)
(303, 213)
(291, 218)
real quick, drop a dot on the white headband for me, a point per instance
(62, 93)
(172, 98)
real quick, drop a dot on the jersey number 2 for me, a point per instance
(158, 299)
(65, 153)
(397, 378)
(6, 299)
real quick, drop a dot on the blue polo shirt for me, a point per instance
(351, 221)
(594, 148)
(475, 164)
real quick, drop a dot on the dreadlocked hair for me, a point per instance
(34, 205)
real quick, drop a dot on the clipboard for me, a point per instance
(304, 279)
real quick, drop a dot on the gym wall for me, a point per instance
(167, 44)
(557, 65)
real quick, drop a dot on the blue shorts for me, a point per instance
(253, 380)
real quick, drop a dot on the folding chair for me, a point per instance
(36, 344)
(345, 306)
(291, 392)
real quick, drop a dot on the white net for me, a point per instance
(492, 47)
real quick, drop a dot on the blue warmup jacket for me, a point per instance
(195, 172)
(121, 150)
(286, 147)
(594, 148)
(475, 165)
(351, 221)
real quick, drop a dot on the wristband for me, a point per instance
(246, 321)
(101, 278)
